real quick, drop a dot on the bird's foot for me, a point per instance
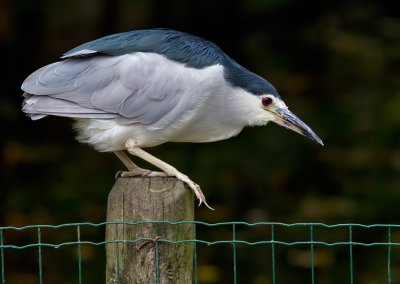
(141, 173)
(131, 147)
(147, 173)
(194, 187)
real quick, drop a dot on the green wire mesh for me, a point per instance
(307, 243)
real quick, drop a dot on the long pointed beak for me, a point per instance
(286, 118)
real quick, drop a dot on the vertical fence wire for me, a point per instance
(78, 232)
(273, 253)
(351, 254)
(3, 277)
(234, 252)
(195, 255)
(116, 254)
(39, 237)
(158, 280)
(312, 254)
(389, 255)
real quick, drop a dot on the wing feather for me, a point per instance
(133, 88)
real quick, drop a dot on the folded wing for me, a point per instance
(140, 87)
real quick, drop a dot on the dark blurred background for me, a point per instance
(336, 64)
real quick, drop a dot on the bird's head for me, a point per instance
(262, 101)
(275, 110)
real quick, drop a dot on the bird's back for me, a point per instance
(175, 45)
(178, 46)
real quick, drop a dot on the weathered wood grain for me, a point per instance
(144, 199)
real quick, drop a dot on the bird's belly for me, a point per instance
(200, 134)
(107, 135)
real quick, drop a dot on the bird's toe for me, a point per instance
(156, 174)
(134, 172)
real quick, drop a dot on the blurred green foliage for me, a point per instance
(336, 64)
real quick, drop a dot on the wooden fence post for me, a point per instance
(149, 199)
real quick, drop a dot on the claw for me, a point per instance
(199, 194)
(118, 174)
(206, 204)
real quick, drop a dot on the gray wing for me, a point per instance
(132, 88)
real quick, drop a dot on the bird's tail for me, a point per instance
(37, 107)
(28, 107)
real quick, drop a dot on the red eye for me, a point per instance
(266, 101)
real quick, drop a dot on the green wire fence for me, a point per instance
(281, 251)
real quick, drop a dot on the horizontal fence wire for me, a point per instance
(229, 241)
(236, 241)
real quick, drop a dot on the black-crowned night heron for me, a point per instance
(139, 89)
